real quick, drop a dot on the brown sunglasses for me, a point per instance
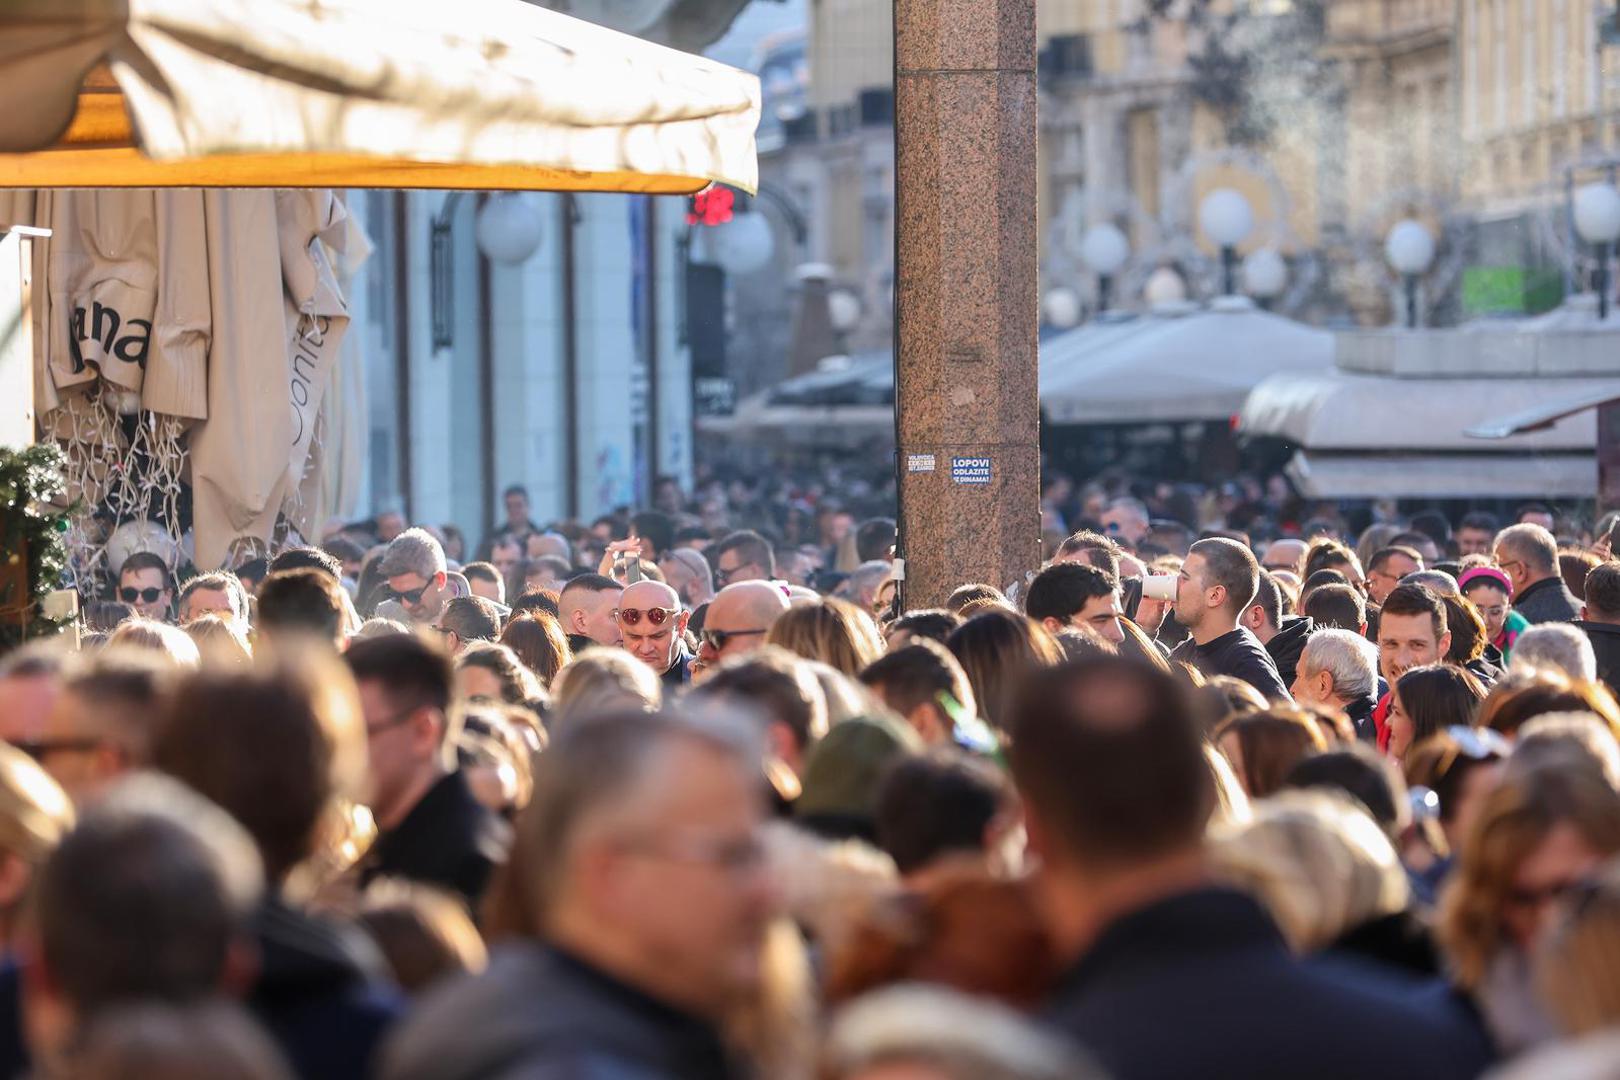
(656, 616)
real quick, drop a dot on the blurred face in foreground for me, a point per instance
(689, 835)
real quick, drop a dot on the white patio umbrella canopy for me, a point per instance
(1197, 366)
(359, 93)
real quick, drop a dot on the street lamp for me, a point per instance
(843, 310)
(1410, 250)
(508, 230)
(1061, 306)
(741, 245)
(1597, 219)
(1164, 288)
(508, 227)
(1105, 250)
(1227, 219)
(1265, 275)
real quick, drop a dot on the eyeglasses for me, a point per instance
(412, 596)
(718, 639)
(656, 616)
(723, 577)
(392, 722)
(739, 857)
(1546, 894)
(40, 749)
(130, 595)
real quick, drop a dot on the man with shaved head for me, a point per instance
(737, 620)
(652, 622)
(1286, 554)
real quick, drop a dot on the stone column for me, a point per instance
(966, 304)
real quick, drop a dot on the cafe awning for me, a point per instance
(481, 94)
(1326, 475)
(1342, 411)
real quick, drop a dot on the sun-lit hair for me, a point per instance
(1317, 861)
(1512, 821)
(832, 631)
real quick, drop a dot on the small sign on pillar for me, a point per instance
(970, 470)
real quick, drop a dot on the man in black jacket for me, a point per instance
(1173, 975)
(1283, 636)
(1528, 554)
(651, 882)
(430, 828)
(1218, 583)
(1600, 620)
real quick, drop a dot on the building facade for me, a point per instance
(1336, 118)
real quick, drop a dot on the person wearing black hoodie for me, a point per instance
(1600, 621)
(271, 749)
(1218, 583)
(1283, 636)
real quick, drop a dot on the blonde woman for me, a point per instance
(832, 631)
(1320, 863)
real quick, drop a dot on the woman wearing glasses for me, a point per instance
(1538, 836)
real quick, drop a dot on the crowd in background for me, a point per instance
(1228, 787)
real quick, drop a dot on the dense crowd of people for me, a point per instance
(690, 793)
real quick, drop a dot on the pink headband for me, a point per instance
(1486, 573)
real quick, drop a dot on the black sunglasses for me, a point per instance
(130, 595)
(717, 639)
(413, 596)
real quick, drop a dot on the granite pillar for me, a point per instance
(966, 301)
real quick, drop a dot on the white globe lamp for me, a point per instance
(1265, 274)
(742, 245)
(509, 228)
(1227, 219)
(1164, 288)
(1105, 251)
(1597, 220)
(1409, 247)
(844, 310)
(1061, 308)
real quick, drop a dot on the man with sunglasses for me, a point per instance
(414, 568)
(144, 584)
(652, 623)
(736, 622)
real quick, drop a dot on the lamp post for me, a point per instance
(1265, 276)
(1227, 219)
(844, 312)
(1105, 250)
(1061, 307)
(1409, 247)
(741, 245)
(1597, 220)
(508, 230)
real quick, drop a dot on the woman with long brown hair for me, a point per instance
(1541, 834)
(538, 639)
(996, 648)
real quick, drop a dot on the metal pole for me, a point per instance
(570, 329)
(1600, 280)
(1411, 301)
(1105, 287)
(1228, 271)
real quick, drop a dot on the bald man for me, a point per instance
(652, 622)
(1286, 555)
(736, 623)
